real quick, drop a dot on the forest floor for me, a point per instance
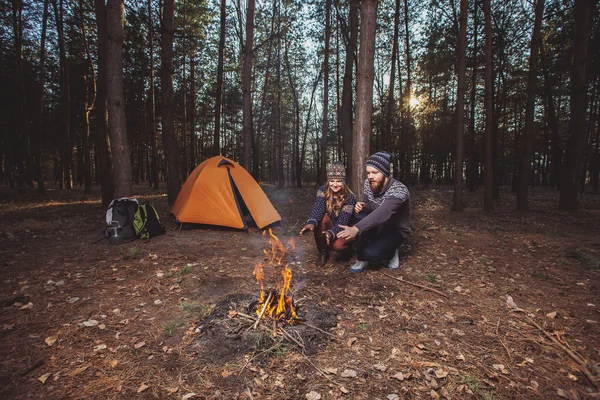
(515, 316)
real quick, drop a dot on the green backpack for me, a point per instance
(147, 222)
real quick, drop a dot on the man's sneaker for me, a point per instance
(394, 263)
(358, 266)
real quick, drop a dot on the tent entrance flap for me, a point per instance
(241, 205)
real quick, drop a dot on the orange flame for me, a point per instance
(281, 307)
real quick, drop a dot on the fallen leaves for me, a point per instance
(44, 377)
(142, 387)
(50, 340)
(79, 370)
(349, 373)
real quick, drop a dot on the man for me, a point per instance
(384, 217)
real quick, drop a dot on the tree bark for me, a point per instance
(577, 137)
(219, 91)
(152, 105)
(473, 160)
(39, 164)
(66, 180)
(347, 89)
(88, 106)
(247, 128)
(488, 204)
(522, 198)
(166, 82)
(457, 200)
(391, 103)
(101, 117)
(407, 128)
(116, 101)
(361, 133)
(325, 126)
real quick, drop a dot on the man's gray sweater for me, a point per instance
(391, 204)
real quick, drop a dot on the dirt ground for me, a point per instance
(515, 315)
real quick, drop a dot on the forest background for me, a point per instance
(115, 93)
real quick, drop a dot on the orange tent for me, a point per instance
(221, 192)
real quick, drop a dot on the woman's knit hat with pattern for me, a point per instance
(380, 161)
(336, 171)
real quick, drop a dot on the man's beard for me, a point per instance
(376, 186)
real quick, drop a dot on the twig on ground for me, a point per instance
(322, 373)
(578, 359)
(416, 284)
(35, 366)
(264, 308)
(505, 348)
(318, 329)
(257, 355)
(293, 339)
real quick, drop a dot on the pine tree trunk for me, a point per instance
(65, 87)
(364, 93)
(247, 128)
(391, 103)
(101, 117)
(219, 92)
(407, 129)
(193, 113)
(39, 163)
(576, 141)
(325, 126)
(166, 82)
(488, 204)
(347, 89)
(522, 198)
(117, 122)
(457, 200)
(88, 106)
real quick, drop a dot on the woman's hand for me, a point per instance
(307, 227)
(347, 232)
(358, 207)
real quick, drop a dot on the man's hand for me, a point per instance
(358, 207)
(347, 232)
(307, 227)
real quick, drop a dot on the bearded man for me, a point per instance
(383, 219)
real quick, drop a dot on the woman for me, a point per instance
(333, 207)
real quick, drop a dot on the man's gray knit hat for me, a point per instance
(380, 161)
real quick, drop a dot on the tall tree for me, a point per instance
(88, 106)
(361, 132)
(391, 103)
(101, 116)
(347, 87)
(488, 204)
(577, 136)
(39, 164)
(23, 147)
(151, 105)
(325, 128)
(407, 127)
(536, 38)
(115, 99)
(219, 92)
(473, 161)
(66, 178)
(457, 201)
(247, 130)
(166, 82)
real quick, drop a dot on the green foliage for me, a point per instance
(586, 260)
(431, 277)
(363, 327)
(131, 253)
(171, 327)
(543, 276)
(193, 307)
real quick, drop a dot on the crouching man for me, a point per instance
(383, 219)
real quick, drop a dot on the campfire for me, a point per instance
(276, 303)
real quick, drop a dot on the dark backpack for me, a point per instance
(147, 222)
(122, 211)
